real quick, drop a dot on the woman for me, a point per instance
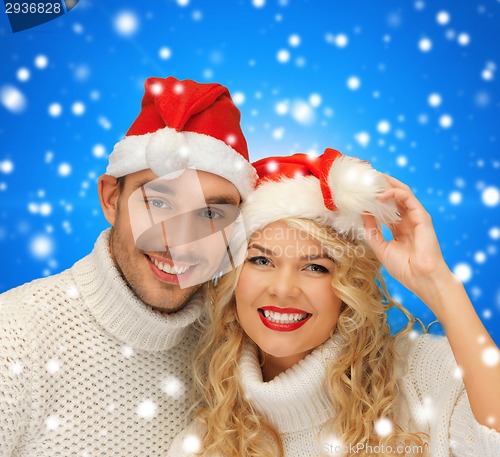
(298, 359)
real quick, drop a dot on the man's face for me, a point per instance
(166, 238)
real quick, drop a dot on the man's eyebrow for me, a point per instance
(158, 186)
(222, 200)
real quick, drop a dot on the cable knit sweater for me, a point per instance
(432, 400)
(87, 369)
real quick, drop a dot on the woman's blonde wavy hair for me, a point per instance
(361, 383)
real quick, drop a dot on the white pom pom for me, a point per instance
(355, 185)
(167, 152)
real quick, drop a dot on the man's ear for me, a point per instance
(109, 193)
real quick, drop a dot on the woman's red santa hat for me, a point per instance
(333, 189)
(185, 124)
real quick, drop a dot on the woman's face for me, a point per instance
(284, 298)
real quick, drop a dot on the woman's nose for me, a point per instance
(284, 284)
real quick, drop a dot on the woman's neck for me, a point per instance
(273, 366)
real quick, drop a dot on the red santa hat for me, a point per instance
(185, 124)
(333, 189)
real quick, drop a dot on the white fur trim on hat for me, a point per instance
(168, 150)
(290, 197)
(354, 186)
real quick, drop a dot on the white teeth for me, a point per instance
(284, 318)
(173, 270)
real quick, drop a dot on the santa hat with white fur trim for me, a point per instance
(333, 189)
(185, 124)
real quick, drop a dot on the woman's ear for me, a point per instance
(109, 193)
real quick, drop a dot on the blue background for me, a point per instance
(70, 88)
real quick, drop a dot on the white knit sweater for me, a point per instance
(87, 369)
(432, 400)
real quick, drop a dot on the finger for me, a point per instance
(404, 198)
(373, 236)
(395, 182)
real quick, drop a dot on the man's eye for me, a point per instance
(160, 204)
(210, 214)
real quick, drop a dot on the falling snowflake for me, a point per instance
(239, 98)
(363, 138)
(463, 272)
(384, 127)
(126, 23)
(490, 196)
(446, 121)
(191, 443)
(455, 197)
(41, 246)
(443, 18)
(491, 356)
(64, 169)
(52, 422)
(147, 409)
(173, 387)
(434, 100)
(383, 427)
(7, 167)
(13, 99)
(353, 83)
(53, 366)
(41, 61)
(23, 74)
(55, 109)
(283, 56)
(425, 44)
(302, 112)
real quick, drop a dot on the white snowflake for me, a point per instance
(383, 427)
(353, 83)
(491, 356)
(147, 409)
(126, 23)
(425, 44)
(490, 196)
(13, 99)
(191, 443)
(363, 138)
(463, 271)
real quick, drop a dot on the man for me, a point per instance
(95, 361)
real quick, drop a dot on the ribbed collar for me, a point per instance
(295, 399)
(120, 311)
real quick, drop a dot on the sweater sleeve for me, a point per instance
(188, 442)
(467, 436)
(440, 400)
(15, 377)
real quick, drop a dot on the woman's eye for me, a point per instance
(259, 260)
(317, 268)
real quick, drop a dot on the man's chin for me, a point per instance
(177, 301)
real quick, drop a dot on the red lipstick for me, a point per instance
(280, 327)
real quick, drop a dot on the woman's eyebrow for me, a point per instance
(261, 249)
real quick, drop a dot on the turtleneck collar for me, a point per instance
(121, 312)
(295, 399)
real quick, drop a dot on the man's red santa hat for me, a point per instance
(333, 189)
(185, 124)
